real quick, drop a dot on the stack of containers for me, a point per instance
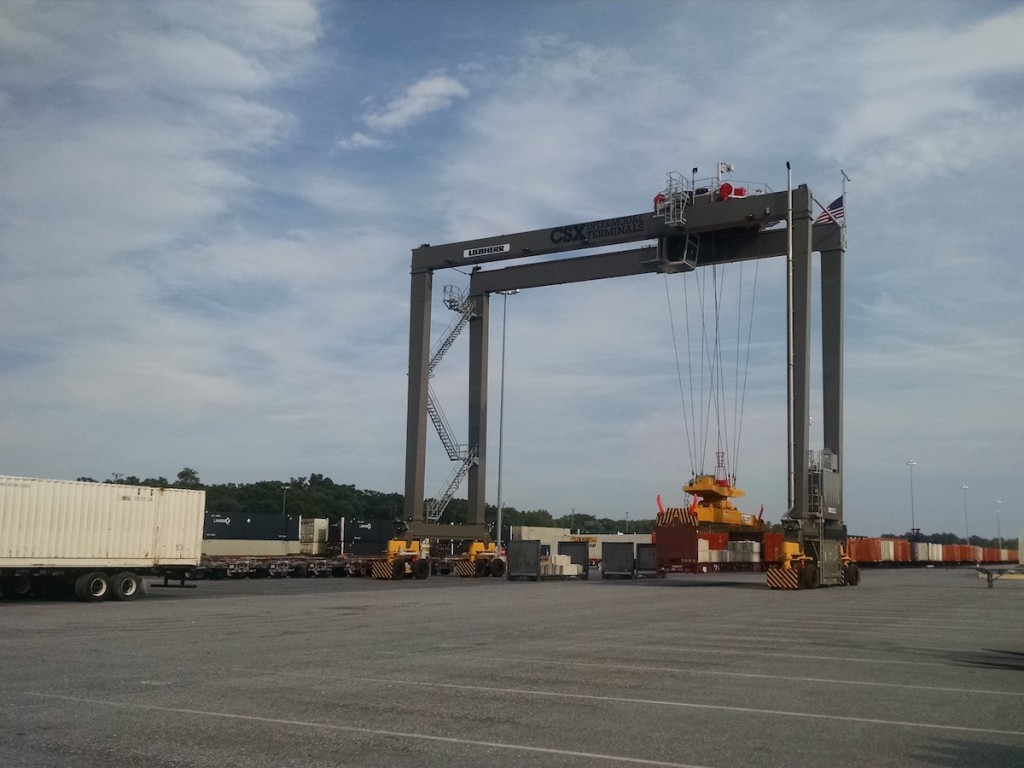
(560, 565)
(744, 551)
(711, 547)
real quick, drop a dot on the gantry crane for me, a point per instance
(689, 228)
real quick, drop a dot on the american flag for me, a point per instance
(835, 208)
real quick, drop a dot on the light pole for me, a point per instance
(284, 500)
(967, 533)
(501, 410)
(999, 532)
(627, 523)
(912, 464)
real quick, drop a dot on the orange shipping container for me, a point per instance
(901, 551)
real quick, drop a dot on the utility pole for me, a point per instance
(913, 527)
(967, 533)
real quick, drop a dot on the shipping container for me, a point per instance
(369, 531)
(647, 560)
(579, 554)
(772, 547)
(888, 550)
(250, 526)
(227, 548)
(95, 537)
(618, 559)
(715, 540)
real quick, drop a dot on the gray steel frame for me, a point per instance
(728, 231)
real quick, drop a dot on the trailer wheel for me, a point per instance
(90, 587)
(480, 568)
(497, 567)
(421, 569)
(16, 587)
(398, 569)
(124, 586)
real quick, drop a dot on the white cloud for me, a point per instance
(359, 140)
(431, 94)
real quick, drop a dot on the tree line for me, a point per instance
(319, 496)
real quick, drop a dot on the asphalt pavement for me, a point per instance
(911, 668)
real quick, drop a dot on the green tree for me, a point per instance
(188, 478)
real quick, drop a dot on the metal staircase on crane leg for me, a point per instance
(465, 455)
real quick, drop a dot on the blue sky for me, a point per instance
(207, 212)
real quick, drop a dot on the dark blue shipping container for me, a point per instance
(369, 531)
(251, 527)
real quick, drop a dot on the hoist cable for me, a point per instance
(746, 366)
(734, 458)
(679, 372)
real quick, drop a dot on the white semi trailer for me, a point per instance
(61, 538)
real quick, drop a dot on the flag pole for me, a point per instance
(842, 229)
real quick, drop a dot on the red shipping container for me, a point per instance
(676, 545)
(715, 540)
(771, 549)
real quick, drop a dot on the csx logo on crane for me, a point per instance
(574, 233)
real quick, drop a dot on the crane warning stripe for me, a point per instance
(779, 578)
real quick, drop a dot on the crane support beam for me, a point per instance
(479, 333)
(419, 377)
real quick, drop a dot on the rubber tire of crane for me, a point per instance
(92, 587)
(16, 587)
(398, 569)
(809, 576)
(480, 568)
(421, 569)
(852, 575)
(497, 567)
(125, 586)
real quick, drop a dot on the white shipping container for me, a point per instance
(72, 524)
(313, 530)
(888, 550)
(250, 548)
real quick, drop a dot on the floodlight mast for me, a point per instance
(721, 230)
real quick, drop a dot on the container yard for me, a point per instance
(916, 667)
